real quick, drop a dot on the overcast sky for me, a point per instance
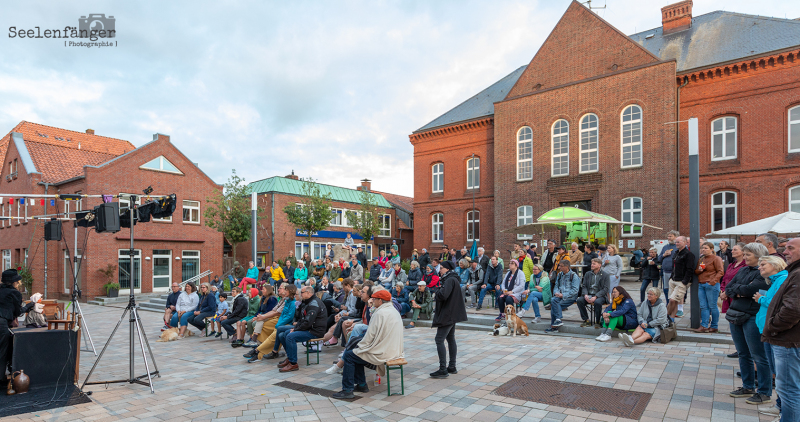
(329, 89)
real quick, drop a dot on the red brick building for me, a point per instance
(41, 159)
(589, 122)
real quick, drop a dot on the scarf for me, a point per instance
(509, 278)
(397, 272)
(616, 302)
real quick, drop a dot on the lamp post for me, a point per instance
(694, 213)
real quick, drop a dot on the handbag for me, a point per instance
(736, 317)
(668, 333)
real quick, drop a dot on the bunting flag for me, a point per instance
(10, 200)
(22, 201)
(42, 202)
(52, 202)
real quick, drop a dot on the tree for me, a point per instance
(367, 222)
(313, 213)
(228, 211)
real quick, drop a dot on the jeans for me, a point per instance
(771, 360)
(643, 289)
(299, 284)
(787, 366)
(404, 308)
(665, 276)
(487, 288)
(747, 340)
(448, 332)
(359, 330)
(290, 341)
(708, 296)
(353, 371)
(280, 333)
(533, 295)
(557, 305)
(184, 319)
(199, 319)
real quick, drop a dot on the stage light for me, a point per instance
(52, 230)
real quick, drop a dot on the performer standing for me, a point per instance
(10, 309)
(449, 311)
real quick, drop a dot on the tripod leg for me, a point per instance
(141, 345)
(85, 327)
(104, 348)
(147, 343)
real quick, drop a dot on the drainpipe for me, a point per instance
(678, 151)
(46, 186)
(272, 227)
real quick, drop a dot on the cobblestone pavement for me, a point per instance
(205, 379)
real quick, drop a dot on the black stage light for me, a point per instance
(107, 217)
(165, 206)
(52, 230)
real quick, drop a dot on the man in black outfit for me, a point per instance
(10, 309)
(238, 311)
(374, 270)
(423, 260)
(548, 256)
(362, 257)
(482, 259)
(684, 264)
(449, 311)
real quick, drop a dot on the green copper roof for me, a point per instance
(564, 213)
(278, 184)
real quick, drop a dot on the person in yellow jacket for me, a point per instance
(527, 268)
(276, 272)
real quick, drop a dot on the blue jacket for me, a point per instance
(287, 315)
(464, 274)
(301, 274)
(666, 261)
(777, 281)
(172, 299)
(208, 303)
(252, 273)
(629, 311)
(568, 284)
(401, 297)
(494, 275)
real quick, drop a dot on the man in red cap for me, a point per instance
(382, 342)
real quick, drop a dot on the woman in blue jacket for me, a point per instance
(300, 274)
(773, 269)
(621, 313)
(206, 308)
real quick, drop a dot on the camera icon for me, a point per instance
(95, 23)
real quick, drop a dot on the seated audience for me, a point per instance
(539, 291)
(206, 308)
(509, 291)
(652, 318)
(375, 270)
(492, 277)
(414, 276)
(276, 273)
(281, 315)
(254, 301)
(300, 274)
(421, 300)
(621, 313)
(172, 301)
(595, 289)
(400, 294)
(474, 279)
(250, 278)
(238, 312)
(187, 303)
(266, 304)
(288, 273)
(222, 310)
(565, 291)
(311, 318)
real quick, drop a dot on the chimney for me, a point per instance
(292, 176)
(676, 17)
(90, 131)
(366, 185)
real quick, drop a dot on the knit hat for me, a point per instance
(449, 265)
(383, 295)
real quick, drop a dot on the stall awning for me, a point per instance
(557, 218)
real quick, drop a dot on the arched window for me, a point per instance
(723, 210)
(631, 136)
(794, 199)
(560, 148)
(723, 138)
(794, 129)
(473, 225)
(631, 213)
(437, 228)
(525, 153)
(524, 216)
(438, 178)
(589, 153)
(473, 173)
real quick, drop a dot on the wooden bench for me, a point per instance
(394, 365)
(54, 324)
(309, 345)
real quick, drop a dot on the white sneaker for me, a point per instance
(600, 337)
(605, 337)
(769, 410)
(537, 320)
(335, 369)
(626, 339)
(521, 312)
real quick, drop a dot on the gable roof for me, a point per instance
(480, 105)
(399, 201)
(720, 37)
(278, 184)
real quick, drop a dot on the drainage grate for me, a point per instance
(309, 390)
(588, 398)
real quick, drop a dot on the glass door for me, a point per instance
(190, 265)
(162, 269)
(130, 274)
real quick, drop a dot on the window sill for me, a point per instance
(632, 235)
(437, 241)
(161, 221)
(589, 172)
(559, 176)
(631, 167)
(189, 222)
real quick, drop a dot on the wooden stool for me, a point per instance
(54, 324)
(309, 351)
(394, 365)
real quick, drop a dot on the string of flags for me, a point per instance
(29, 201)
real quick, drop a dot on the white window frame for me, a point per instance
(596, 150)
(191, 207)
(137, 256)
(437, 170)
(338, 214)
(553, 156)
(796, 123)
(724, 207)
(437, 228)
(192, 254)
(723, 134)
(304, 247)
(633, 142)
(6, 259)
(18, 221)
(795, 202)
(474, 170)
(168, 256)
(476, 217)
(385, 226)
(524, 216)
(632, 210)
(524, 136)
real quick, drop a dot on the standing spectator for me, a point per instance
(636, 262)
(588, 255)
(771, 242)
(538, 291)
(560, 256)
(725, 254)
(375, 269)
(239, 311)
(187, 303)
(709, 273)
(445, 255)
(493, 277)
(650, 273)
(450, 310)
(291, 258)
(306, 259)
(311, 317)
(620, 313)
(517, 253)
(172, 302)
(744, 331)
(612, 265)
(737, 252)
(356, 271)
(526, 265)
(773, 269)
(288, 273)
(206, 308)
(595, 288)
(509, 291)
(482, 258)
(683, 273)
(362, 258)
(300, 274)
(424, 259)
(565, 292)
(665, 259)
(575, 256)
(782, 332)
(532, 252)
(348, 244)
(474, 280)
(548, 256)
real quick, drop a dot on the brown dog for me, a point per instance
(514, 322)
(172, 334)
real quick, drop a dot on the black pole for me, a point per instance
(694, 215)
(473, 201)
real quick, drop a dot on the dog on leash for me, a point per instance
(514, 322)
(172, 334)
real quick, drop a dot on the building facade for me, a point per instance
(41, 159)
(597, 120)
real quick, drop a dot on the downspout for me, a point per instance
(46, 186)
(272, 229)
(678, 152)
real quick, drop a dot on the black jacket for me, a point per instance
(240, 307)
(172, 299)
(493, 275)
(727, 258)
(10, 304)
(362, 259)
(601, 282)
(746, 283)
(424, 260)
(449, 301)
(312, 316)
(288, 272)
(650, 272)
(684, 264)
(374, 272)
(484, 262)
(587, 261)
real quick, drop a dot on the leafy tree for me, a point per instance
(313, 212)
(367, 222)
(228, 211)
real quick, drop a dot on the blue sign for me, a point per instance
(329, 234)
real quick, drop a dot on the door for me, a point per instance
(130, 274)
(162, 270)
(190, 265)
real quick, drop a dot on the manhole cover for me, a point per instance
(588, 398)
(310, 390)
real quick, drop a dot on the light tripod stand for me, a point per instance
(77, 313)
